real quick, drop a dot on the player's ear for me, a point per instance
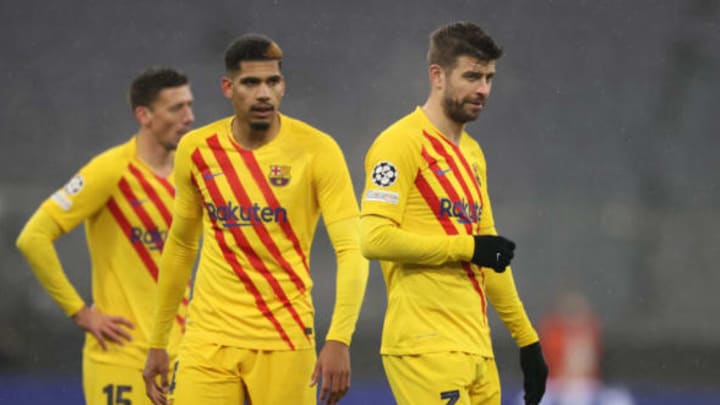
(436, 74)
(226, 86)
(143, 115)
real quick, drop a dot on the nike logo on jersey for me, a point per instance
(210, 176)
(441, 173)
(135, 203)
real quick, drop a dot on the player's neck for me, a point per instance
(153, 154)
(435, 113)
(251, 139)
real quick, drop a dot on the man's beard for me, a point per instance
(455, 110)
(259, 126)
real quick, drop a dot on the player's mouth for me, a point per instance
(262, 110)
(477, 104)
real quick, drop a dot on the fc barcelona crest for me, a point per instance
(279, 175)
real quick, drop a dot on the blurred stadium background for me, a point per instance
(601, 140)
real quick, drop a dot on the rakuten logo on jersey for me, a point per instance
(153, 239)
(460, 210)
(232, 215)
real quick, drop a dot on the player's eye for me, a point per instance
(250, 81)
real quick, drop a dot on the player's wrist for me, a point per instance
(337, 339)
(461, 248)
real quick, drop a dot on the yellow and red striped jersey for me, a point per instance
(428, 185)
(259, 211)
(127, 212)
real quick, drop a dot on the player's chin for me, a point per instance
(472, 114)
(260, 125)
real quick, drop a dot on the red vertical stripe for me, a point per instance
(262, 183)
(166, 185)
(216, 197)
(465, 164)
(140, 248)
(152, 194)
(244, 200)
(433, 202)
(445, 183)
(437, 145)
(133, 201)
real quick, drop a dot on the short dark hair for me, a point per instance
(251, 47)
(148, 84)
(451, 41)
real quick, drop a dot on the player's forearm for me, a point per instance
(35, 242)
(175, 270)
(382, 239)
(501, 291)
(352, 274)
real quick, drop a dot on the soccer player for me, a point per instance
(124, 195)
(427, 217)
(254, 184)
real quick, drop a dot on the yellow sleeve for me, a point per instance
(333, 185)
(501, 291)
(82, 196)
(352, 274)
(382, 239)
(36, 244)
(390, 170)
(180, 249)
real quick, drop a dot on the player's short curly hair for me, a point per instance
(451, 41)
(148, 84)
(251, 47)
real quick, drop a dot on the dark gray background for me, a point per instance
(601, 138)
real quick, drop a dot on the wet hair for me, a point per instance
(251, 47)
(451, 41)
(146, 86)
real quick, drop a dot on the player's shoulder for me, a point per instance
(115, 158)
(199, 135)
(310, 136)
(405, 133)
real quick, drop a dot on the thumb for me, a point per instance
(315, 374)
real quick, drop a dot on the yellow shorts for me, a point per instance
(105, 384)
(207, 373)
(448, 378)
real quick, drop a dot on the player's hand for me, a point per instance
(333, 365)
(491, 251)
(535, 373)
(103, 327)
(158, 363)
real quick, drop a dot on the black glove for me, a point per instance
(535, 373)
(493, 251)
